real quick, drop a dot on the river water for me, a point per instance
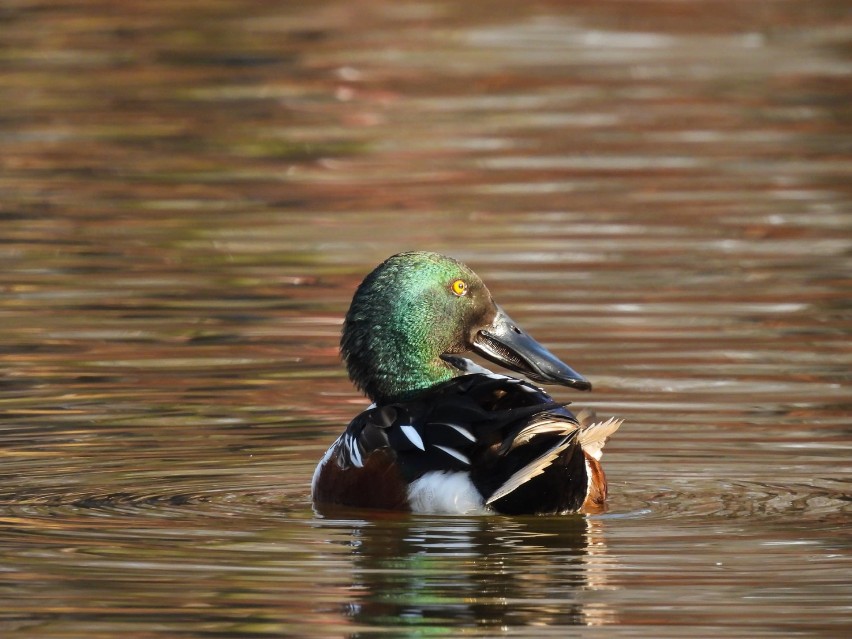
(189, 193)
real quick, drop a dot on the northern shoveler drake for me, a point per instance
(445, 435)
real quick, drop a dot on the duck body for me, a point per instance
(478, 443)
(452, 437)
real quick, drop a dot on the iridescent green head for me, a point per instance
(416, 307)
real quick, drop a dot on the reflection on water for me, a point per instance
(189, 194)
(484, 573)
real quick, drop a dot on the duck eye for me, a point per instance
(459, 287)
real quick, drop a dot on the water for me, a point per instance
(189, 194)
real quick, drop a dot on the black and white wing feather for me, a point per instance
(513, 440)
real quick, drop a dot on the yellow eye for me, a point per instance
(459, 287)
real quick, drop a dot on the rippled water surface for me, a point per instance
(189, 193)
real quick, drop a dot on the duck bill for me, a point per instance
(504, 343)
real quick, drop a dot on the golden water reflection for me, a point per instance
(484, 573)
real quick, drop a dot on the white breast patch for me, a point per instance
(446, 493)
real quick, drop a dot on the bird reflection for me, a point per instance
(438, 573)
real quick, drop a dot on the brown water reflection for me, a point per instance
(189, 193)
(483, 573)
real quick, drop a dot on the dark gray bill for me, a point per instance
(505, 344)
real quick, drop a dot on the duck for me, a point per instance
(443, 434)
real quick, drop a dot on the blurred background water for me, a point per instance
(190, 192)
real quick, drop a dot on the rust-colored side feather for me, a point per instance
(594, 502)
(378, 484)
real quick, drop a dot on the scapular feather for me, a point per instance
(505, 432)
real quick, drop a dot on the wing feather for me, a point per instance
(593, 437)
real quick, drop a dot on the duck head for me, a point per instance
(415, 308)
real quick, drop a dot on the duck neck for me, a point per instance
(390, 367)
